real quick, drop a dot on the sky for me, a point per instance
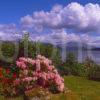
(53, 21)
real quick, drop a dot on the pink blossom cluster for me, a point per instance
(39, 71)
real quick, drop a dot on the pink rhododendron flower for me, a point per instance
(39, 70)
(31, 61)
(38, 65)
(61, 87)
(21, 64)
(28, 79)
(22, 59)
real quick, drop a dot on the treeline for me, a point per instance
(11, 51)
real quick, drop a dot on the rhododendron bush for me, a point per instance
(33, 73)
(39, 71)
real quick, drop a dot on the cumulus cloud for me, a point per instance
(73, 16)
(9, 32)
(7, 28)
(27, 21)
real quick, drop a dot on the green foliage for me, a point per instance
(79, 70)
(71, 59)
(71, 66)
(29, 52)
(25, 48)
(94, 73)
(93, 69)
(89, 63)
(8, 52)
(8, 49)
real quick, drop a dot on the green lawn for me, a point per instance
(83, 88)
(80, 89)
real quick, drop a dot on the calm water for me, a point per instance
(82, 55)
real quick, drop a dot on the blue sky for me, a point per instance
(51, 20)
(12, 10)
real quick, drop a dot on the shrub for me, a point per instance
(71, 66)
(39, 71)
(93, 69)
(31, 73)
(94, 73)
(79, 70)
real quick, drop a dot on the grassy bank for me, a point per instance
(83, 88)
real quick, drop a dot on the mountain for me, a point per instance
(74, 46)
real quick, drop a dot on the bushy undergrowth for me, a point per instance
(93, 69)
(94, 73)
(72, 67)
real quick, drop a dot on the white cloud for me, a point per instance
(8, 28)
(27, 21)
(73, 16)
(9, 32)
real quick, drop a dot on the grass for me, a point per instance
(80, 89)
(83, 88)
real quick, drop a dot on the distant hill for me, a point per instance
(74, 46)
